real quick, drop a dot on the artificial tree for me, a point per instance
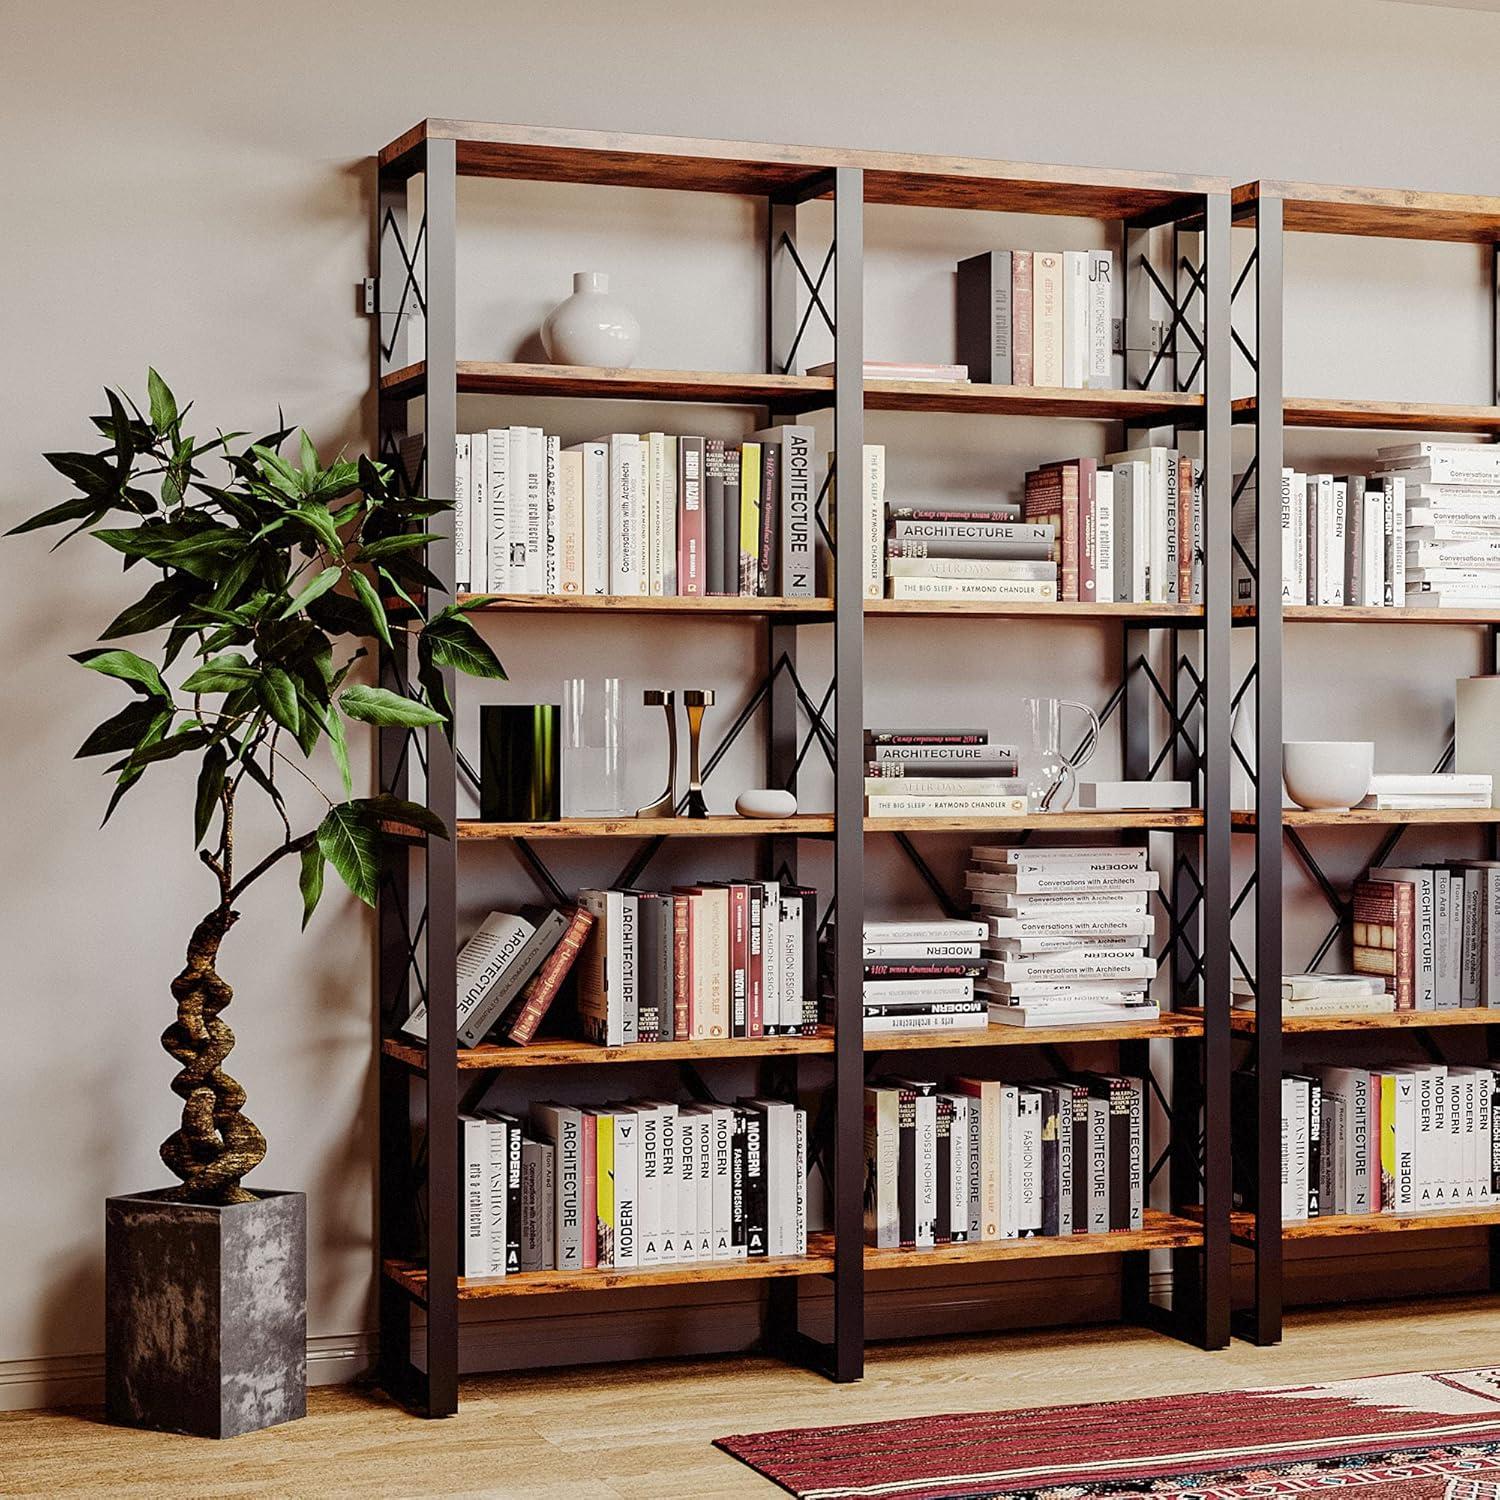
(270, 587)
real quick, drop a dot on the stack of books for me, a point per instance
(633, 1184)
(882, 369)
(1039, 318)
(919, 976)
(1432, 933)
(1412, 1138)
(1402, 791)
(1323, 995)
(966, 549)
(1452, 533)
(940, 773)
(634, 514)
(985, 1160)
(1067, 934)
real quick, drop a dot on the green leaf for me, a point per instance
(279, 694)
(406, 817)
(349, 842)
(160, 605)
(454, 642)
(126, 729)
(335, 727)
(373, 607)
(163, 405)
(322, 524)
(170, 748)
(91, 472)
(430, 675)
(223, 674)
(281, 473)
(81, 508)
(405, 541)
(128, 667)
(210, 786)
(310, 464)
(129, 777)
(310, 881)
(381, 707)
(315, 590)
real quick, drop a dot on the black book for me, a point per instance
(926, 737)
(730, 541)
(757, 1193)
(648, 966)
(770, 517)
(1494, 1108)
(906, 1163)
(1055, 1212)
(713, 516)
(924, 968)
(1080, 1102)
(983, 325)
(809, 899)
(943, 1229)
(1314, 1143)
(738, 1223)
(1117, 1092)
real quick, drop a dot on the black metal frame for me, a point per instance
(417, 916)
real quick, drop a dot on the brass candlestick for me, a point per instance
(665, 806)
(696, 700)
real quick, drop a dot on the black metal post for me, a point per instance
(1268, 955)
(440, 390)
(848, 847)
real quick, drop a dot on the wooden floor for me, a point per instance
(644, 1431)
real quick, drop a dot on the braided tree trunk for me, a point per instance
(216, 1145)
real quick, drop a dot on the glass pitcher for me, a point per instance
(1050, 774)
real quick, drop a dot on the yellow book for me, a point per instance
(749, 518)
(604, 1156)
(1387, 1142)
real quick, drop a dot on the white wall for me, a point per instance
(190, 188)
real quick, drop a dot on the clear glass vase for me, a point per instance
(593, 748)
(1049, 772)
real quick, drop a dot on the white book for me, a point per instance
(1076, 354)
(970, 1018)
(653, 465)
(1372, 541)
(552, 516)
(669, 461)
(1196, 499)
(925, 1141)
(1071, 877)
(474, 1250)
(690, 1133)
(536, 511)
(601, 969)
(872, 514)
(882, 1144)
(799, 1186)
(916, 991)
(627, 565)
(896, 805)
(562, 1125)
(497, 493)
(1294, 581)
(957, 1186)
(570, 534)
(920, 950)
(1010, 1162)
(594, 531)
(461, 559)
(1132, 488)
(1098, 859)
(781, 1175)
(1029, 1161)
(938, 930)
(648, 1183)
(1020, 570)
(1092, 964)
(1295, 1124)
(480, 965)
(1101, 335)
(1157, 537)
(790, 980)
(1048, 292)
(1104, 536)
(1394, 501)
(1031, 591)
(479, 513)
(517, 515)
(1137, 927)
(626, 1188)
(1167, 582)
(1333, 529)
(721, 1119)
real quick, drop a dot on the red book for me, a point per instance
(690, 521)
(1187, 499)
(541, 989)
(589, 1190)
(682, 966)
(755, 977)
(739, 958)
(1052, 497)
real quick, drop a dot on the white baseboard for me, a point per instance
(78, 1379)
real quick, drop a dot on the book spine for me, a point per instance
(690, 518)
(1023, 363)
(570, 1190)
(1088, 532)
(496, 540)
(1101, 323)
(531, 1206)
(626, 1180)
(770, 518)
(1075, 319)
(627, 934)
(536, 510)
(542, 989)
(463, 570)
(552, 535)
(730, 540)
(1047, 318)
(748, 571)
(1184, 528)
(1105, 587)
(624, 558)
(570, 523)
(670, 585)
(798, 577)
(479, 513)
(872, 509)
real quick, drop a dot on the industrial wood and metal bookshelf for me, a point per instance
(1173, 665)
(1272, 210)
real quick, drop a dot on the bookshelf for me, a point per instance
(1271, 211)
(1147, 215)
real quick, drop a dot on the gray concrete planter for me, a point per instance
(206, 1313)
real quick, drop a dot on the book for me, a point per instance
(1099, 373)
(1384, 934)
(875, 369)
(1013, 569)
(798, 495)
(977, 589)
(872, 510)
(984, 332)
(749, 520)
(530, 1010)
(1023, 364)
(462, 545)
(1047, 318)
(1076, 354)
(770, 518)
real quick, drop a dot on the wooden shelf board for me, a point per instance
(1060, 610)
(1063, 822)
(1378, 416)
(632, 605)
(817, 1262)
(1176, 1025)
(1243, 1021)
(716, 827)
(1301, 817)
(561, 1052)
(1242, 1225)
(1030, 401)
(1162, 1231)
(540, 153)
(1362, 614)
(1390, 213)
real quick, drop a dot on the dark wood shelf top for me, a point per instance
(1243, 1021)
(1365, 614)
(563, 1052)
(540, 153)
(694, 607)
(716, 827)
(1061, 822)
(1378, 416)
(1187, 1024)
(798, 393)
(817, 1262)
(1242, 1225)
(1301, 817)
(1162, 1231)
(1059, 610)
(1389, 213)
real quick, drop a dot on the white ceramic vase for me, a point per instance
(591, 327)
(1332, 774)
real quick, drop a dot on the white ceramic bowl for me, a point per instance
(1327, 773)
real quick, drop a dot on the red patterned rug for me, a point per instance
(1433, 1436)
